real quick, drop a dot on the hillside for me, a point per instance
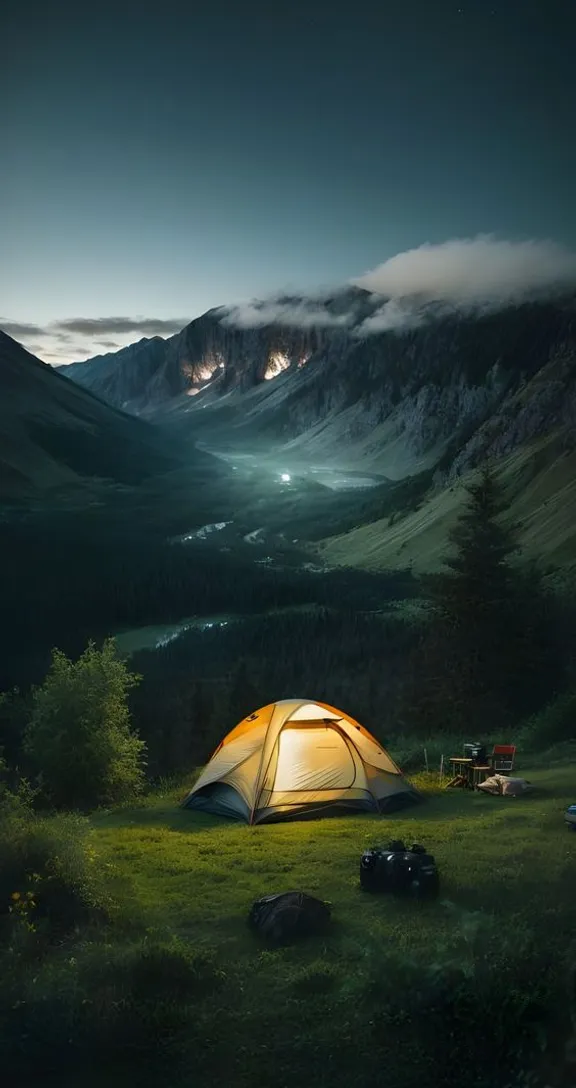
(540, 480)
(54, 433)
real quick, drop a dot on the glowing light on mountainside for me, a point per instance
(276, 364)
(204, 372)
(209, 367)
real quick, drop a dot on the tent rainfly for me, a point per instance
(294, 759)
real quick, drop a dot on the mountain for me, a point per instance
(220, 349)
(54, 433)
(129, 378)
(443, 392)
(440, 394)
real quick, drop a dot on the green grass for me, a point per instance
(540, 479)
(508, 899)
(199, 874)
(179, 987)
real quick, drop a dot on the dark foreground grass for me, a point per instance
(470, 990)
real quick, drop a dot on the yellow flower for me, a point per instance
(15, 896)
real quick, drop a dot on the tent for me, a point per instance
(294, 759)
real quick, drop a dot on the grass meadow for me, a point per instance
(168, 981)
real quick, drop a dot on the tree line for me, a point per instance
(493, 646)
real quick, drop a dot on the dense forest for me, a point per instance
(482, 643)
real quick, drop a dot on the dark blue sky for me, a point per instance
(162, 158)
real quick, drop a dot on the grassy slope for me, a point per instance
(512, 860)
(542, 484)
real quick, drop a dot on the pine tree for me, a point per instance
(489, 653)
(480, 580)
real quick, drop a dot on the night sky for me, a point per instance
(159, 159)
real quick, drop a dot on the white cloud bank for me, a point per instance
(304, 313)
(465, 274)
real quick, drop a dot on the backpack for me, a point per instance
(281, 918)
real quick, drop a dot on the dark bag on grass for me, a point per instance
(281, 918)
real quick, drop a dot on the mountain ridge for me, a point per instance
(394, 400)
(55, 433)
(443, 397)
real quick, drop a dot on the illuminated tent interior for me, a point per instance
(295, 759)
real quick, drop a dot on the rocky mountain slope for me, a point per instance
(214, 352)
(53, 433)
(437, 397)
(444, 393)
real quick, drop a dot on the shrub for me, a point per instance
(51, 880)
(79, 737)
(16, 794)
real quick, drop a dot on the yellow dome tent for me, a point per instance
(296, 758)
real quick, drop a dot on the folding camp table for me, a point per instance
(467, 774)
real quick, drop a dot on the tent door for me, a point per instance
(313, 758)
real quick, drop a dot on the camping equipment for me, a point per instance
(502, 758)
(399, 870)
(570, 816)
(501, 784)
(296, 759)
(476, 752)
(281, 918)
(467, 773)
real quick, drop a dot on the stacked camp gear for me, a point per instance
(400, 870)
(476, 752)
(570, 816)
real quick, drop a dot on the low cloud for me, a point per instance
(94, 326)
(36, 349)
(300, 313)
(465, 274)
(19, 329)
(147, 326)
(45, 340)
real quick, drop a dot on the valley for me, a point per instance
(403, 416)
(288, 545)
(332, 479)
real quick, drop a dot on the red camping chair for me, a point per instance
(502, 758)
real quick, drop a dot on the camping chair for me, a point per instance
(502, 758)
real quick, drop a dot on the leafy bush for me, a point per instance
(79, 737)
(51, 879)
(16, 794)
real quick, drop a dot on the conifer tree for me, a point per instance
(489, 653)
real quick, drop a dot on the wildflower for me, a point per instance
(15, 896)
